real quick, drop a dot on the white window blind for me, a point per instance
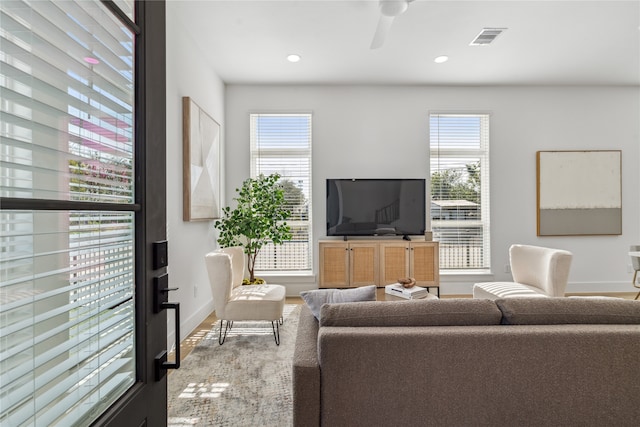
(459, 163)
(67, 316)
(281, 143)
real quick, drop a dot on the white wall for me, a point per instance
(382, 131)
(187, 75)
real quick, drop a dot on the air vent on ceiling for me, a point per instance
(486, 36)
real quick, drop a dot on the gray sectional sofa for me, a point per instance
(469, 362)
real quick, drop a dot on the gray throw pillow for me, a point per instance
(316, 298)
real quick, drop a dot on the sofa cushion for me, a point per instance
(316, 298)
(424, 312)
(556, 311)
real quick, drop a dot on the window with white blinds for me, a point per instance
(459, 167)
(67, 316)
(281, 143)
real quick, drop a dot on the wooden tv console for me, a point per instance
(353, 263)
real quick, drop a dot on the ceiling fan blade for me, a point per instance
(384, 24)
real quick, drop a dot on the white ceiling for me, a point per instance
(547, 42)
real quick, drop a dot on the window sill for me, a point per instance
(470, 272)
(284, 277)
(466, 276)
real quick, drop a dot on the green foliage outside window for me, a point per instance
(455, 184)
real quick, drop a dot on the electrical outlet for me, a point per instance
(629, 268)
(195, 291)
(507, 268)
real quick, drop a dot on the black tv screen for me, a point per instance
(375, 207)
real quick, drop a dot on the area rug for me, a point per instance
(244, 382)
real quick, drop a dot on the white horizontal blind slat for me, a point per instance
(281, 143)
(459, 164)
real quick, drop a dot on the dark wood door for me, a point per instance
(145, 404)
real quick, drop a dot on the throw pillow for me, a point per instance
(316, 298)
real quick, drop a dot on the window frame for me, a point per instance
(255, 154)
(483, 154)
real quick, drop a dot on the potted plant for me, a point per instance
(259, 218)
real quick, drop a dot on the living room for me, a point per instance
(92, 300)
(372, 129)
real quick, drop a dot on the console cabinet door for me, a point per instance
(394, 262)
(424, 263)
(363, 264)
(353, 264)
(334, 265)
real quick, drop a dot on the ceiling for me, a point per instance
(546, 42)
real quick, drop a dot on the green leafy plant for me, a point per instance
(258, 219)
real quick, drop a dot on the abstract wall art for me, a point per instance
(201, 163)
(579, 193)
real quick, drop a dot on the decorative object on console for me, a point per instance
(407, 282)
(258, 219)
(200, 164)
(579, 193)
(315, 299)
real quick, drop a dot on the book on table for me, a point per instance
(398, 290)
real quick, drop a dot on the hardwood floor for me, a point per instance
(201, 331)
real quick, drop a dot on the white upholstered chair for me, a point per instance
(234, 301)
(537, 272)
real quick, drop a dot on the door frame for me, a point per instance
(145, 403)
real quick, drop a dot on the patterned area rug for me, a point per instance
(244, 382)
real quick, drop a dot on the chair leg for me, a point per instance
(275, 326)
(276, 330)
(633, 281)
(227, 328)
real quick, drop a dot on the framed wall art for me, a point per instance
(579, 193)
(201, 163)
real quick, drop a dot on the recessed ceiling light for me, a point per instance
(441, 59)
(294, 58)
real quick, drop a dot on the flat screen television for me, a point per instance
(376, 207)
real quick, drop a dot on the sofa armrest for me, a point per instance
(306, 372)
